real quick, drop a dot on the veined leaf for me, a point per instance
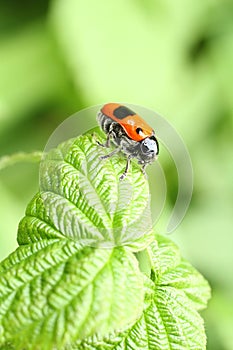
(169, 323)
(164, 254)
(177, 272)
(82, 198)
(53, 292)
(62, 290)
(170, 320)
(185, 277)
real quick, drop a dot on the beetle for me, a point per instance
(129, 133)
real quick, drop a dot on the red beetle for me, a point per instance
(130, 133)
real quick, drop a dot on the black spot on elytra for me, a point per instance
(122, 112)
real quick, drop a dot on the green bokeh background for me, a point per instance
(175, 57)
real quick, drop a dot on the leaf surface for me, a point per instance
(82, 198)
(54, 292)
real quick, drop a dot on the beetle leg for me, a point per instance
(116, 150)
(107, 143)
(143, 168)
(126, 168)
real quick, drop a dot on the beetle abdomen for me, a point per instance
(104, 122)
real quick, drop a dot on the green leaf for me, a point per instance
(169, 323)
(164, 254)
(62, 289)
(185, 277)
(176, 272)
(55, 291)
(170, 319)
(82, 198)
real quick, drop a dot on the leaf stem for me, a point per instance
(144, 261)
(33, 157)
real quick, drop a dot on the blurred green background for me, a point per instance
(175, 57)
